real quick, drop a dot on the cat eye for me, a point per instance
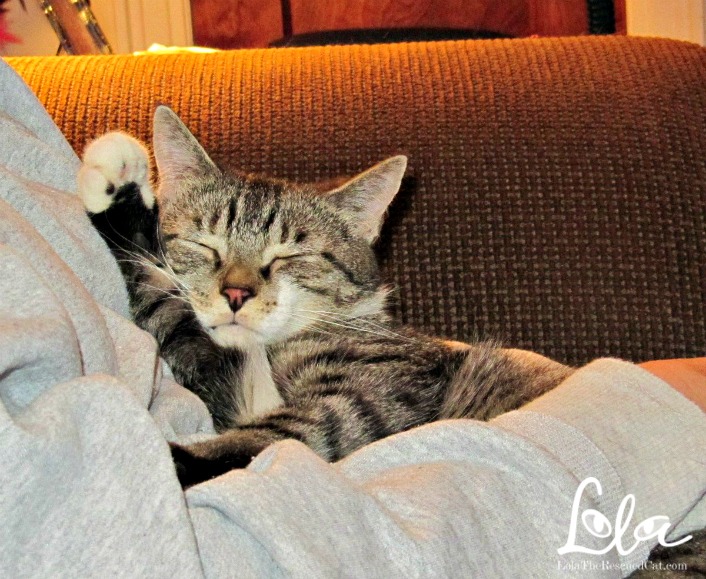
(266, 271)
(203, 249)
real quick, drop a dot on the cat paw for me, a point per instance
(193, 469)
(110, 163)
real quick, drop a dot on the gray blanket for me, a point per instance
(87, 487)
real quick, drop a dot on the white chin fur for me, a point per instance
(234, 336)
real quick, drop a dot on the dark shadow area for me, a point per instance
(383, 36)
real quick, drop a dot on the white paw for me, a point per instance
(110, 162)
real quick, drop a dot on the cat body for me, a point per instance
(266, 301)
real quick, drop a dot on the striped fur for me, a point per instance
(310, 352)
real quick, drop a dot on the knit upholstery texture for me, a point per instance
(557, 190)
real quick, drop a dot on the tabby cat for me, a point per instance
(266, 301)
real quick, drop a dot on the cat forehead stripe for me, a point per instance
(231, 213)
(270, 220)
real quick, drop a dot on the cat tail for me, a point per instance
(494, 380)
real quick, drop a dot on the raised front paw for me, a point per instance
(114, 162)
(192, 467)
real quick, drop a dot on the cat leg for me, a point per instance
(333, 420)
(114, 184)
(234, 449)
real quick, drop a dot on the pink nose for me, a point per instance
(237, 296)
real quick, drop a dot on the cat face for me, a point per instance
(263, 260)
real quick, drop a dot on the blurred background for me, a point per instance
(134, 25)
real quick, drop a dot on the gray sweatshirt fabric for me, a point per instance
(87, 487)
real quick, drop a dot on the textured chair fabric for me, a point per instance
(557, 191)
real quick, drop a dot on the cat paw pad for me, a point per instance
(109, 163)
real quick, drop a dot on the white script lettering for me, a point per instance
(599, 526)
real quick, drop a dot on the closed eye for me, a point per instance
(209, 252)
(266, 270)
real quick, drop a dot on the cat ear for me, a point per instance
(364, 199)
(178, 154)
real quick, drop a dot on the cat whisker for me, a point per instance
(349, 326)
(165, 269)
(164, 259)
(314, 327)
(141, 250)
(318, 320)
(357, 323)
(144, 256)
(383, 328)
(175, 284)
(143, 262)
(179, 309)
(165, 292)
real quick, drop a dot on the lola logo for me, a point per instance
(598, 525)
